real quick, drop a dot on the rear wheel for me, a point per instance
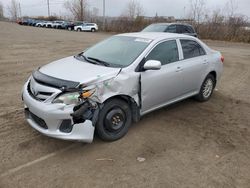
(206, 89)
(114, 120)
(69, 28)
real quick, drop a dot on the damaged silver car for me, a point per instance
(115, 82)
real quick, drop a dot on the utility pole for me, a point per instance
(48, 8)
(81, 11)
(20, 11)
(104, 16)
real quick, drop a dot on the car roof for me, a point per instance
(155, 35)
(173, 23)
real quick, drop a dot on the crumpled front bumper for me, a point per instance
(53, 115)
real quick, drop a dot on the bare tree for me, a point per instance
(95, 12)
(134, 9)
(77, 8)
(1, 11)
(13, 9)
(231, 7)
(197, 9)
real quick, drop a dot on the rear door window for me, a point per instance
(171, 29)
(191, 49)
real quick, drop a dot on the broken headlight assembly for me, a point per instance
(67, 98)
(75, 97)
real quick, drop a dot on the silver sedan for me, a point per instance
(115, 82)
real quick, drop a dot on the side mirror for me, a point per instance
(152, 65)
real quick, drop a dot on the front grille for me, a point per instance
(39, 121)
(40, 95)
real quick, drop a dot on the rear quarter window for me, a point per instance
(187, 29)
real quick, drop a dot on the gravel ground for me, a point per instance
(188, 144)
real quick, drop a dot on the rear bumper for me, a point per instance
(53, 115)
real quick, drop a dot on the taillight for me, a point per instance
(222, 59)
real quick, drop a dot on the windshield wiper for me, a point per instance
(85, 58)
(99, 61)
(93, 60)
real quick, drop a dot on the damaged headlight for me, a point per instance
(88, 91)
(75, 97)
(68, 98)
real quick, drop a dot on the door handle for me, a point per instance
(179, 69)
(205, 62)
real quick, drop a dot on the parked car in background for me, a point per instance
(24, 22)
(30, 21)
(181, 28)
(49, 24)
(87, 27)
(35, 22)
(41, 24)
(68, 25)
(58, 24)
(115, 82)
(19, 21)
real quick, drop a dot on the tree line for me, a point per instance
(218, 24)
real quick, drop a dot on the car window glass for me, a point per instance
(187, 29)
(119, 51)
(178, 29)
(171, 29)
(190, 29)
(191, 49)
(155, 28)
(165, 52)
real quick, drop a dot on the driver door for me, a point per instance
(159, 87)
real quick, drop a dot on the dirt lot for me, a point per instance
(188, 144)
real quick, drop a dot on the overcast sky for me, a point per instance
(177, 8)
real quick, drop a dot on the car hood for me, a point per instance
(71, 69)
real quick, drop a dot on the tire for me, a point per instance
(206, 89)
(114, 120)
(78, 30)
(69, 28)
(93, 30)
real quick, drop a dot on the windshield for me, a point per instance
(155, 28)
(117, 51)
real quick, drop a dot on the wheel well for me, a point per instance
(213, 73)
(132, 103)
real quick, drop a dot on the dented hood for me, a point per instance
(75, 70)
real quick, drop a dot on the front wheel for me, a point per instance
(114, 120)
(206, 89)
(93, 30)
(79, 30)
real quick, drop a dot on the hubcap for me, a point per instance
(208, 88)
(114, 120)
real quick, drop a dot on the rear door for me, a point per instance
(87, 27)
(194, 65)
(84, 27)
